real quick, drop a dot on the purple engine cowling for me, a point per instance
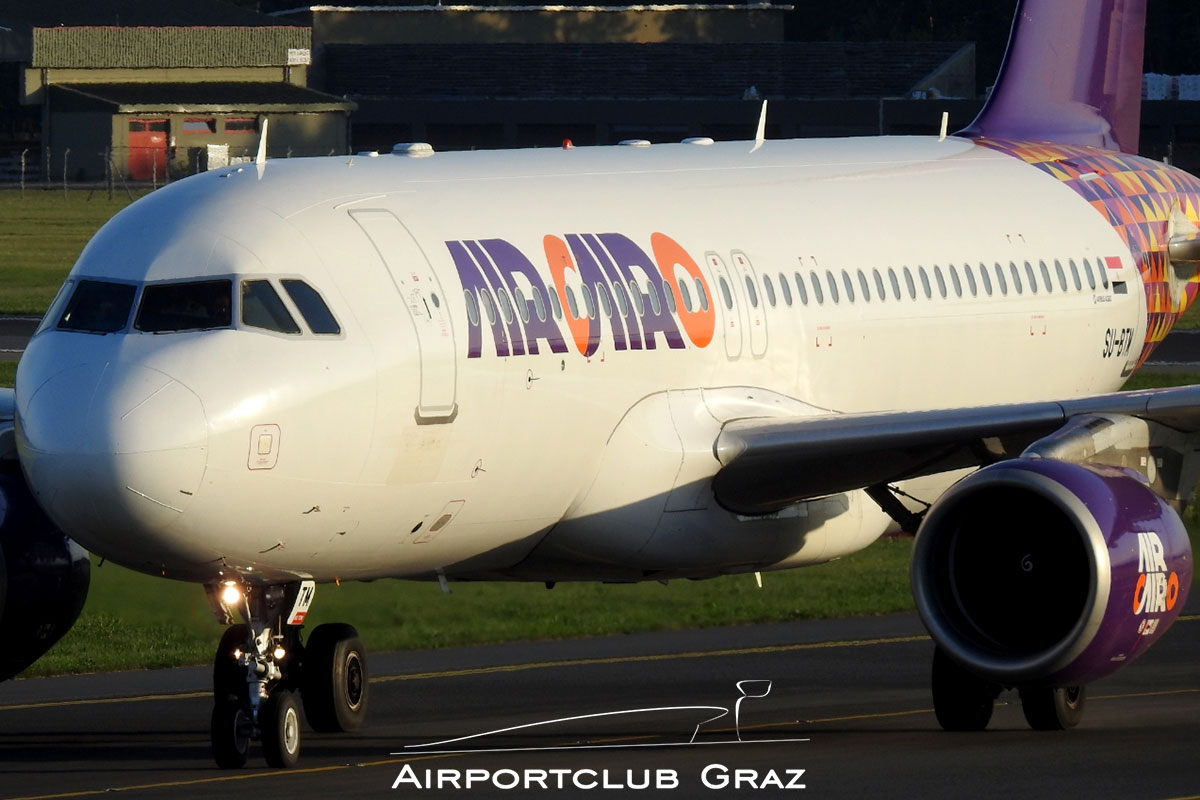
(1036, 571)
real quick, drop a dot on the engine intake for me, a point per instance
(44, 578)
(1048, 572)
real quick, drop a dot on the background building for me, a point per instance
(145, 88)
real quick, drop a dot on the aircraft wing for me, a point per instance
(770, 463)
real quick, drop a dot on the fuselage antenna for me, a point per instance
(761, 135)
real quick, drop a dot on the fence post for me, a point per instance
(108, 171)
(23, 154)
(154, 170)
(66, 154)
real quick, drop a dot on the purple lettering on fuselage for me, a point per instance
(622, 286)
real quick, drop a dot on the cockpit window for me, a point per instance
(98, 307)
(312, 307)
(262, 308)
(171, 307)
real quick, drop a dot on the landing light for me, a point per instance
(279, 653)
(231, 595)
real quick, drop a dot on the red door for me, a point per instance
(147, 149)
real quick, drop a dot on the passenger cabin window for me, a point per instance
(262, 308)
(958, 292)
(1033, 285)
(879, 290)
(801, 288)
(193, 306)
(831, 282)
(816, 287)
(971, 284)
(98, 307)
(686, 294)
(925, 282)
(472, 308)
(849, 284)
(312, 306)
(1016, 277)
(769, 289)
(941, 281)
(1075, 274)
(703, 295)
(787, 290)
(864, 286)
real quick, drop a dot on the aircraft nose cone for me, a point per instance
(113, 453)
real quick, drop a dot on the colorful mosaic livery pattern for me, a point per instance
(1137, 196)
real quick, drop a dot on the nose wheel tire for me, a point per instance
(1049, 708)
(279, 721)
(334, 679)
(230, 734)
(229, 676)
(962, 701)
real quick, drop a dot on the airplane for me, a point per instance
(638, 362)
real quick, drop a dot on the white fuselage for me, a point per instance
(424, 438)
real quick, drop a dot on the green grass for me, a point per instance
(133, 620)
(143, 621)
(41, 235)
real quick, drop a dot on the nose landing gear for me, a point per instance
(262, 664)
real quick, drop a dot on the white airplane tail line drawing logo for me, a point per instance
(747, 689)
(637, 363)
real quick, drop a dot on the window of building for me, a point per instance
(312, 306)
(241, 125)
(198, 125)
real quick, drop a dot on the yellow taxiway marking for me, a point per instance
(246, 776)
(504, 668)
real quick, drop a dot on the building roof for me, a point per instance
(194, 98)
(126, 13)
(634, 71)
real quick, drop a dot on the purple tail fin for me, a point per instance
(1072, 75)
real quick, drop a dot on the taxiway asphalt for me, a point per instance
(848, 704)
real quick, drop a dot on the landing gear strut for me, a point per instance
(261, 665)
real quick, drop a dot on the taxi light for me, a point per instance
(231, 595)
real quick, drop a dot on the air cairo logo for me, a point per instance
(1156, 590)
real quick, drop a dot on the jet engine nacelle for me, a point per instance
(1036, 571)
(44, 578)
